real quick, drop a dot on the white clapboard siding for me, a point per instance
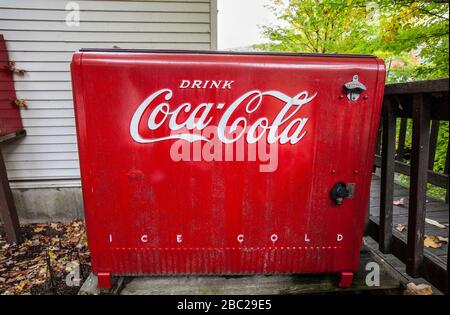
(43, 86)
(121, 6)
(40, 42)
(39, 174)
(48, 104)
(95, 37)
(142, 27)
(47, 113)
(45, 95)
(41, 165)
(108, 16)
(70, 47)
(58, 139)
(50, 131)
(46, 157)
(51, 122)
(37, 65)
(45, 76)
(32, 148)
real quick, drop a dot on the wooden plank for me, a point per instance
(8, 211)
(402, 139)
(428, 86)
(435, 253)
(439, 106)
(12, 136)
(417, 199)
(437, 179)
(434, 270)
(432, 210)
(434, 132)
(387, 176)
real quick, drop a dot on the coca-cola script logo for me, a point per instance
(283, 129)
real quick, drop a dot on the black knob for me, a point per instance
(339, 192)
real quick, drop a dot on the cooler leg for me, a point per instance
(346, 279)
(104, 280)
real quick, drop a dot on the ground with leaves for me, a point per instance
(52, 259)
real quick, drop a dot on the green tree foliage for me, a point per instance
(411, 36)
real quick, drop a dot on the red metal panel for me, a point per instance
(10, 120)
(148, 212)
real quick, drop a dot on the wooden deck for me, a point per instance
(435, 210)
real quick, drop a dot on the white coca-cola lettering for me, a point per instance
(199, 118)
(206, 84)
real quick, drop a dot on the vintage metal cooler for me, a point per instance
(225, 163)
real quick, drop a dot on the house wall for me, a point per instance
(40, 42)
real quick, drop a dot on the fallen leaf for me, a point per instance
(432, 241)
(421, 289)
(435, 223)
(38, 229)
(400, 227)
(443, 239)
(399, 202)
(52, 254)
(54, 226)
(21, 285)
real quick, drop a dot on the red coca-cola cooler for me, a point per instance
(225, 163)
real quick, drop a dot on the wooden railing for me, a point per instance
(427, 104)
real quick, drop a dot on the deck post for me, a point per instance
(387, 176)
(8, 211)
(447, 157)
(418, 184)
(402, 139)
(434, 133)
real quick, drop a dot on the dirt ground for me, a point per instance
(53, 259)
